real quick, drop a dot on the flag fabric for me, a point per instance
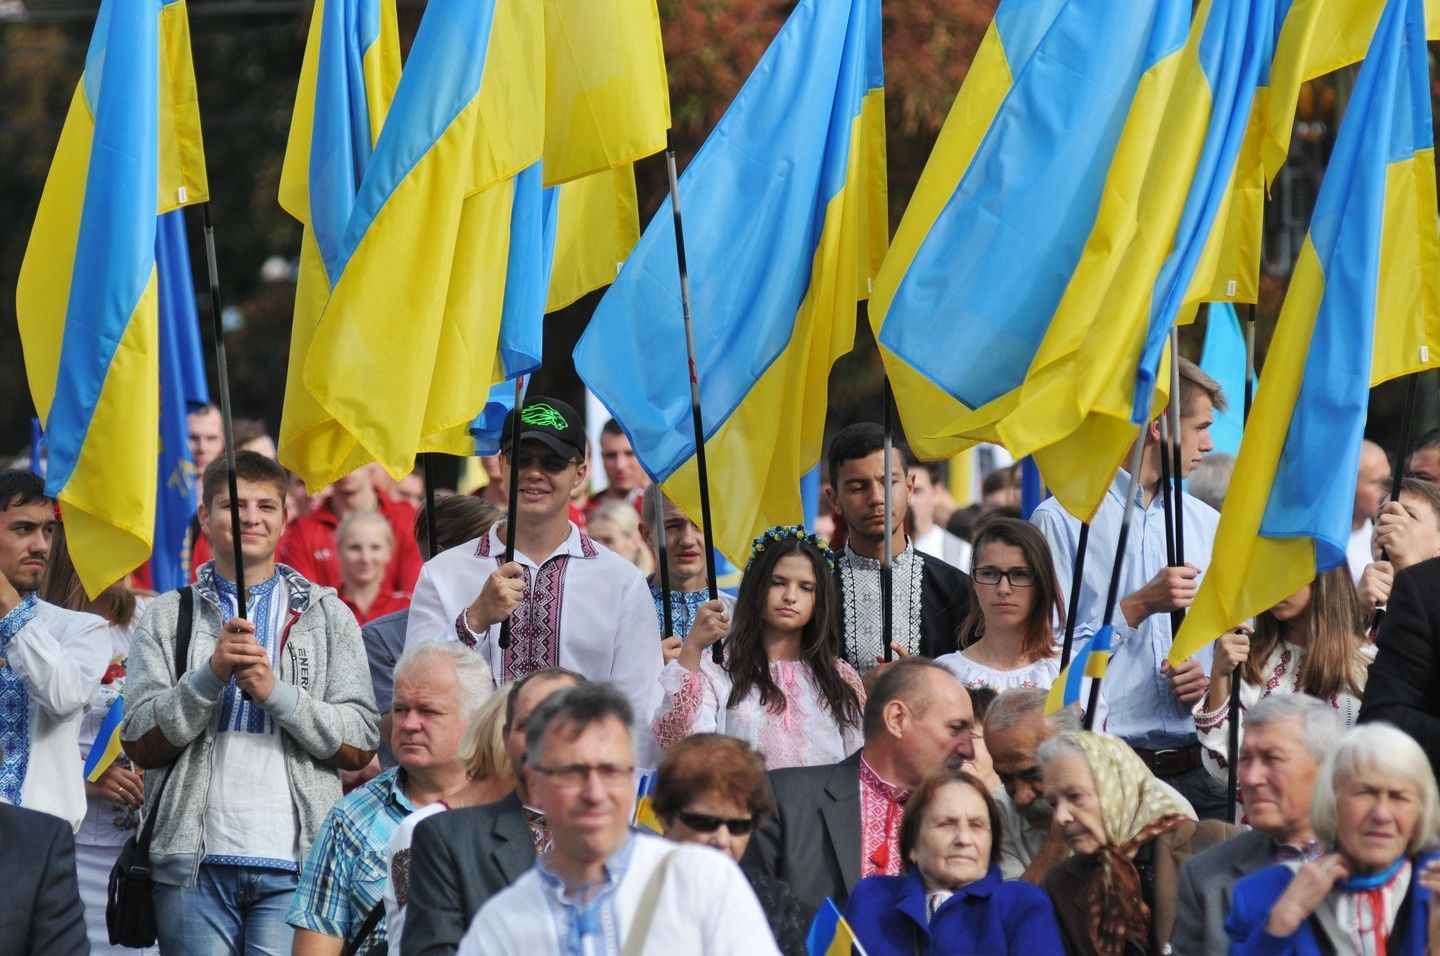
(597, 223)
(774, 279)
(830, 934)
(87, 299)
(1000, 217)
(1369, 261)
(347, 80)
(182, 387)
(1091, 659)
(106, 748)
(1222, 357)
(644, 807)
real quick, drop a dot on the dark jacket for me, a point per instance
(1207, 884)
(990, 916)
(458, 860)
(945, 596)
(40, 909)
(1257, 893)
(1400, 686)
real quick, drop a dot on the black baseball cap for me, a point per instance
(550, 421)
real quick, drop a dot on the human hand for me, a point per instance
(1395, 536)
(503, 591)
(1172, 589)
(899, 652)
(1231, 649)
(235, 649)
(670, 648)
(1375, 584)
(867, 682)
(711, 624)
(120, 784)
(1312, 883)
(1188, 681)
(1430, 879)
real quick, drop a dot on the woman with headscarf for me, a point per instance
(1116, 895)
(1376, 804)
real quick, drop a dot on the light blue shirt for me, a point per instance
(1142, 708)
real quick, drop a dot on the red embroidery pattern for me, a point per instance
(678, 722)
(535, 625)
(880, 805)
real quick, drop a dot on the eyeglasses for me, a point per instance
(550, 464)
(574, 776)
(704, 823)
(1018, 577)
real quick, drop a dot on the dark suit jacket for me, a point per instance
(1207, 882)
(458, 860)
(40, 909)
(1068, 884)
(945, 596)
(812, 841)
(1400, 688)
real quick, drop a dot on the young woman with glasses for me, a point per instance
(1011, 636)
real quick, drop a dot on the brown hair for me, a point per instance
(249, 466)
(1329, 629)
(711, 763)
(1194, 383)
(921, 799)
(1426, 491)
(1039, 640)
(61, 586)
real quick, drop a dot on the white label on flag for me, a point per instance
(869, 284)
(1424, 353)
(1230, 287)
(180, 195)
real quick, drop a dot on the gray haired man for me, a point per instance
(1287, 738)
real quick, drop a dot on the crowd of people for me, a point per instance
(372, 724)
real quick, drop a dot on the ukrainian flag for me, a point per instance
(774, 278)
(1373, 253)
(347, 80)
(831, 935)
(1091, 660)
(644, 807)
(1001, 215)
(87, 298)
(106, 748)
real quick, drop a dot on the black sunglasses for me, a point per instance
(704, 823)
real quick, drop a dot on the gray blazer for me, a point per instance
(1202, 898)
(458, 860)
(813, 840)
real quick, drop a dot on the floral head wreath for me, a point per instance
(780, 533)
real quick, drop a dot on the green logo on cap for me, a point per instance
(543, 416)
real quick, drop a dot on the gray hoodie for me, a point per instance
(322, 703)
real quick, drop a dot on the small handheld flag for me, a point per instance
(644, 808)
(830, 935)
(1090, 660)
(106, 749)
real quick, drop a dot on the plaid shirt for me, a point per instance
(345, 873)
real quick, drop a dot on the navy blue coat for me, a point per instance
(991, 916)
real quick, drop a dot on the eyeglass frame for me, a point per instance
(1004, 574)
(575, 776)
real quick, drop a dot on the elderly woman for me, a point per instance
(1375, 802)
(951, 899)
(1129, 835)
(711, 789)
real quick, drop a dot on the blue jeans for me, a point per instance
(230, 911)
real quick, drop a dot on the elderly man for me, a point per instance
(1287, 738)
(601, 886)
(462, 858)
(836, 824)
(438, 690)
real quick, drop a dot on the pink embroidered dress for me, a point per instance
(802, 734)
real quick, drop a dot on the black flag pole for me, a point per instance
(512, 507)
(1077, 580)
(1232, 770)
(222, 378)
(1165, 499)
(1407, 421)
(1112, 594)
(887, 579)
(662, 564)
(703, 473)
(426, 470)
(1176, 492)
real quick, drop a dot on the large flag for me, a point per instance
(87, 297)
(347, 79)
(1223, 358)
(182, 388)
(1372, 259)
(996, 227)
(774, 278)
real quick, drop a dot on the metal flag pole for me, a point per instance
(717, 651)
(1166, 500)
(222, 377)
(427, 461)
(1112, 594)
(512, 506)
(887, 579)
(662, 564)
(1232, 769)
(1177, 468)
(1077, 580)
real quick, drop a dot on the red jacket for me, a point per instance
(386, 602)
(309, 547)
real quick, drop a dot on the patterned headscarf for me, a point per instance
(1135, 810)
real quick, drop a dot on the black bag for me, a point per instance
(130, 905)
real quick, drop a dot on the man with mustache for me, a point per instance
(51, 661)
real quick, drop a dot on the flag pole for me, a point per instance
(887, 574)
(1167, 504)
(1112, 595)
(1407, 420)
(428, 472)
(1177, 470)
(1077, 580)
(227, 420)
(512, 507)
(1232, 770)
(662, 564)
(697, 420)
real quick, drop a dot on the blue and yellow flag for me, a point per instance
(1002, 213)
(347, 80)
(87, 300)
(1091, 660)
(182, 388)
(831, 935)
(1223, 358)
(774, 279)
(644, 806)
(106, 748)
(1372, 256)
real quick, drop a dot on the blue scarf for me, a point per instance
(14, 705)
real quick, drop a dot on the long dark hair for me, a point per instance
(746, 661)
(61, 586)
(1329, 629)
(1039, 640)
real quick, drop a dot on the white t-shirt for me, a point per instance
(1357, 552)
(397, 887)
(974, 675)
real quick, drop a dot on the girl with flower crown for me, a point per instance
(782, 687)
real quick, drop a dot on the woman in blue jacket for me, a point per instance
(951, 900)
